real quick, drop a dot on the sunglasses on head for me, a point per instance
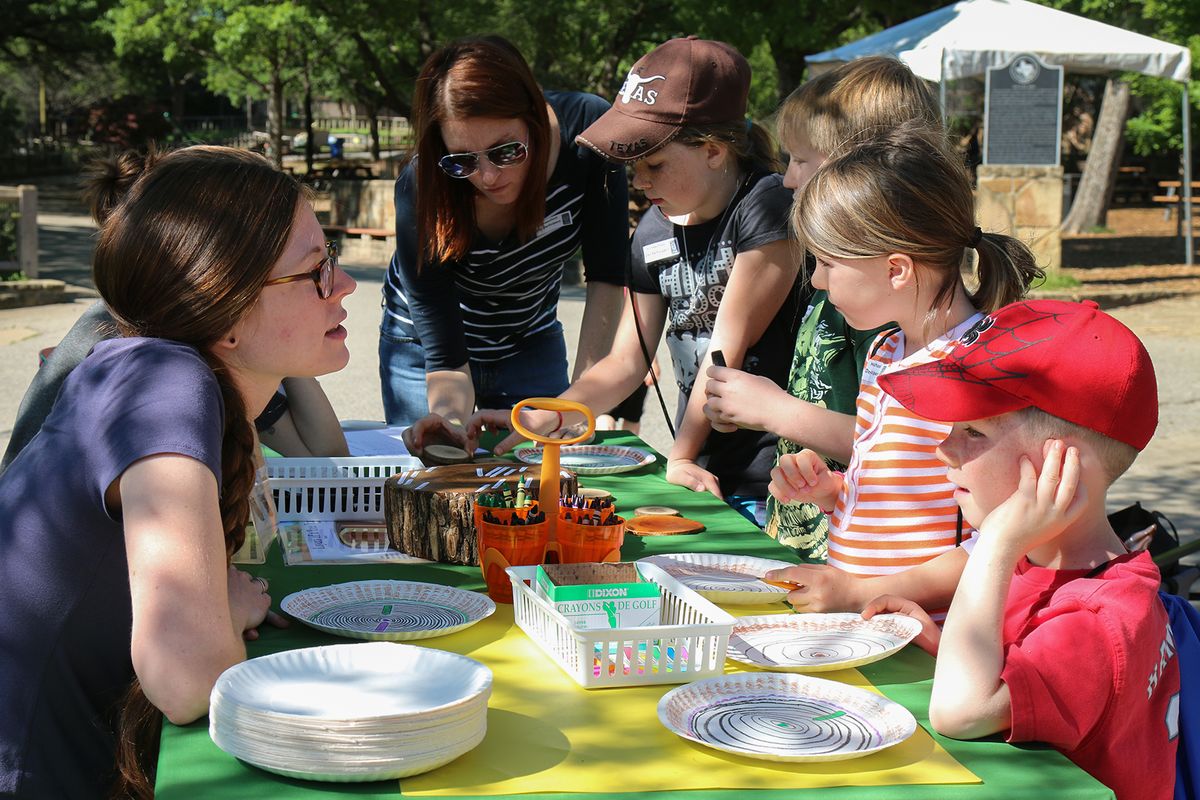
(321, 275)
(464, 165)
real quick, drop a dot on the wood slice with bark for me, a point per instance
(430, 513)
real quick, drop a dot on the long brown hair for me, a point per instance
(482, 76)
(750, 143)
(903, 191)
(187, 242)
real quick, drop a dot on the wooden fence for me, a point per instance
(21, 201)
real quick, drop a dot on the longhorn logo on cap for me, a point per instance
(632, 88)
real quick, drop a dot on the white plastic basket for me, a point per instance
(349, 489)
(688, 645)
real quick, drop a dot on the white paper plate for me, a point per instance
(785, 717)
(390, 611)
(732, 580)
(818, 642)
(354, 682)
(591, 459)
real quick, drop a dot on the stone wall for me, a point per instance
(1025, 202)
(365, 204)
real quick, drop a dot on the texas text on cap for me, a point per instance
(681, 82)
(1070, 360)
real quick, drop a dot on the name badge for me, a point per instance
(554, 223)
(667, 248)
(872, 370)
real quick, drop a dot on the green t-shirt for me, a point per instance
(826, 370)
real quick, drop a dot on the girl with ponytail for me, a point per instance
(117, 521)
(891, 222)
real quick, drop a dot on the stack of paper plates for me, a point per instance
(353, 712)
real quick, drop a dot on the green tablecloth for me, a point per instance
(190, 765)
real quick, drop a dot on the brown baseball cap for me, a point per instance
(679, 83)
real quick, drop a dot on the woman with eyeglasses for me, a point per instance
(298, 422)
(497, 200)
(118, 520)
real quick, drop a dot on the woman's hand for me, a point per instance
(249, 602)
(436, 429)
(805, 477)
(930, 636)
(737, 399)
(685, 472)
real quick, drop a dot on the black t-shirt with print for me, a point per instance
(690, 267)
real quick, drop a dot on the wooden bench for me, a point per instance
(362, 233)
(1174, 197)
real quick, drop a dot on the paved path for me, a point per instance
(1165, 477)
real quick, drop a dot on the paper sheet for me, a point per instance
(546, 734)
(317, 542)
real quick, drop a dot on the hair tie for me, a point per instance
(976, 237)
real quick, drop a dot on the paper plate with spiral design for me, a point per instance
(785, 717)
(818, 642)
(388, 610)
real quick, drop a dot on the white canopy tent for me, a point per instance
(966, 38)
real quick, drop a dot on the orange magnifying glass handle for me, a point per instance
(549, 482)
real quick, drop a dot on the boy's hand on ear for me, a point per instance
(930, 636)
(805, 477)
(1044, 503)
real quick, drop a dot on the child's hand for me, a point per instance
(1044, 504)
(737, 399)
(930, 635)
(817, 587)
(538, 421)
(805, 477)
(685, 472)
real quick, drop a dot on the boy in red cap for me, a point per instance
(1056, 633)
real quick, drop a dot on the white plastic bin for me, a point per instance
(344, 489)
(688, 645)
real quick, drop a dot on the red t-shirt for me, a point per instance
(1091, 669)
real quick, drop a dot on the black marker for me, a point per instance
(718, 358)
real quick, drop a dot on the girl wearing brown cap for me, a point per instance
(711, 261)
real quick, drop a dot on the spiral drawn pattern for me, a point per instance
(792, 726)
(392, 616)
(793, 648)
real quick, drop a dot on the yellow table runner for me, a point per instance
(547, 734)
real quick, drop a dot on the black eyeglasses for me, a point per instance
(321, 275)
(464, 165)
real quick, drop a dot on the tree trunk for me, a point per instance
(373, 115)
(275, 118)
(1090, 206)
(309, 144)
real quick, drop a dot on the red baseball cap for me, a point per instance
(681, 82)
(1070, 360)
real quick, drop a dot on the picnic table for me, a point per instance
(1172, 198)
(543, 728)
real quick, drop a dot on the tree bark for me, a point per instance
(1090, 206)
(275, 118)
(309, 145)
(430, 513)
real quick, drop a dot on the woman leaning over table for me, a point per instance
(118, 520)
(498, 198)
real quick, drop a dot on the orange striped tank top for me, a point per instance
(896, 508)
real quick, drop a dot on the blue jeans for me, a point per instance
(539, 370)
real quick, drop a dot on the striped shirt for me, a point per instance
(486, 306)
(896, 508)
